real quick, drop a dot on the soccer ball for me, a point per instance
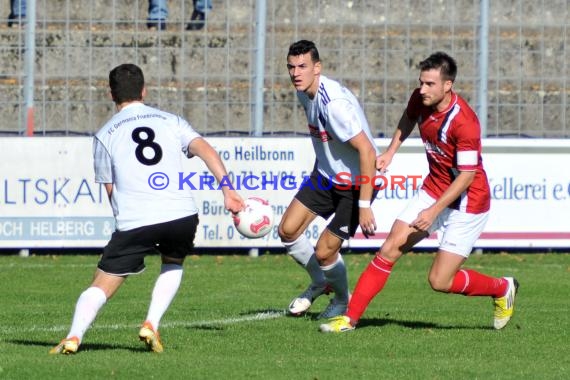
(256, 219)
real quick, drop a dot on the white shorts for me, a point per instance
(457, 231)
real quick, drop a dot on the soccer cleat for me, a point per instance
(150, 337)
(505, 305)
(304, 301)
(333, 309)
(337, 324)
(66, 346)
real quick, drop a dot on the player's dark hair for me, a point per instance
(441, 61)
(126, 82)
(303, 47)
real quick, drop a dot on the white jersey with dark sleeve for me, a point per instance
(136, 143)
(334, 116)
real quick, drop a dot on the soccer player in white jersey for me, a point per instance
(339, 184)
(136, 143)
(454, 200)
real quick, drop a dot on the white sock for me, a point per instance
(300, 250)
(337, 277)
(86, 309)
(165, 289)
(303, 252)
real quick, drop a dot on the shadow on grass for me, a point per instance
(83, 347)
(379, 322)
(205, 327)
(272, 313)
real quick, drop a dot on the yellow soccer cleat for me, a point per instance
(505, 305)
(337, 324)
(66, 346)
(150, 337)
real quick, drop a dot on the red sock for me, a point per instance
(471, 283)
(370, 283)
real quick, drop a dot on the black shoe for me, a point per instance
(156, 24)
(197, 21)
(16, 21)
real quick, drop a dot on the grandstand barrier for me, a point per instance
(50, 200)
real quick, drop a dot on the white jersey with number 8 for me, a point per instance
(140, 151)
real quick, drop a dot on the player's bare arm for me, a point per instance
(367, 154)
(109, 189)
(426, 217)
(405, 127)
(201, 148)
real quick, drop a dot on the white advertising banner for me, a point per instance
(48, 197)
(530, 191)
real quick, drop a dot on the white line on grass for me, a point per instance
(262, 316)
(50, 265)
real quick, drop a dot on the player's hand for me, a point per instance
(383, 161)
(233, 202)
(424, 220)
(367, 221)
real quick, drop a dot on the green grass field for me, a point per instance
(228, 322)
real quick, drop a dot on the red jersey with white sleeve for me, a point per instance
(452, 139)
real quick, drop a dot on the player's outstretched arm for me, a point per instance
(460, 184)
(405, 127)
(201, 148)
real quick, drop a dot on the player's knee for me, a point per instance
(389, 251)
(326, 257)
(322, 255)
(284, 234)
(438, 283)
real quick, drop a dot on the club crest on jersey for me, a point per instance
(433, 149)
(324, 136)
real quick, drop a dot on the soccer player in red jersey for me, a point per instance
(454, 199)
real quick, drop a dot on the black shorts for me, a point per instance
(125, 252)
(321, 197)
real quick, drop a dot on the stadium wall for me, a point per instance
(371, 46)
